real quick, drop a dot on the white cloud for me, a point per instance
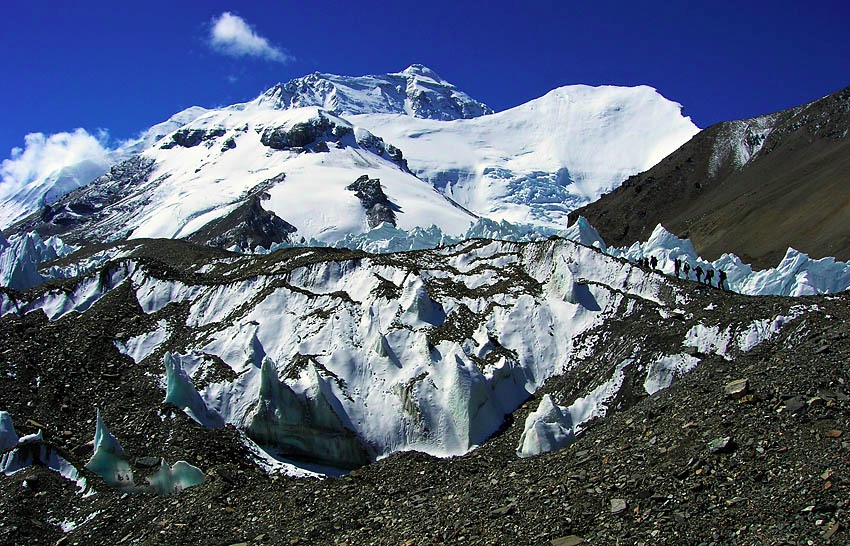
(48, 167)
(44, 155)
(232, 36)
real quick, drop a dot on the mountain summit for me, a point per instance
(416, 91)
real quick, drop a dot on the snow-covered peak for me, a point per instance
(416, 91)
(539, 161)
(423, 72)
(250, 175)
(150, 137)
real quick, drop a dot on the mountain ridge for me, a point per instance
(534, 163)
(753, 187)
(417, 90)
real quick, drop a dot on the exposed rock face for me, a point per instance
(753, 187)
(76, 216)
(377, 145)
(318, 131)
(249, 226)
(302, 134)
(189, 138)
(378, 206)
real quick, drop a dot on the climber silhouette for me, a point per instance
(687, 269)
(709, 275)
(676, 265)
(653, 262)
(721, 278)
(698, 271)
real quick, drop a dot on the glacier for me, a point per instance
(347, 358)
(543, 159)
(552, 426)
(796, 275)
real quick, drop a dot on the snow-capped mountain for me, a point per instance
(250, 175)
(541, 160)
(33, 190)
(416, 91)
(285, 166)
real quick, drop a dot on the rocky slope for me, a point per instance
(644, 468)
(753, 187)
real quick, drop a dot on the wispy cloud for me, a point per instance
(49, 166)
(43, 155)
(232, 35)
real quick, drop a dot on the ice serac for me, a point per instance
(108, 460)
(21, 257)
(582, 232)
(795, 275)
(26, 451)
(563, 283)
(418, 306)
(181, 392)
(8, 437)
(548, 428)
(308, 429)
(171, 479)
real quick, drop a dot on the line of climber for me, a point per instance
(685, 269)
(682, 269)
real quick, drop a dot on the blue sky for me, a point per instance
(122, 68)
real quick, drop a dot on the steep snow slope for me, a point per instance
(252, 169)
(543, 159)
(309, 190)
